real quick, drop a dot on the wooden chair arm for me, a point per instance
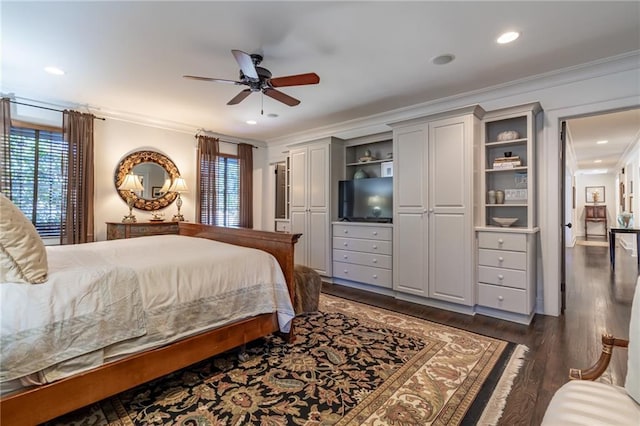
(595, 371)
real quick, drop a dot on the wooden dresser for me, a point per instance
(119, 230)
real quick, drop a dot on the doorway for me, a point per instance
(600, 163)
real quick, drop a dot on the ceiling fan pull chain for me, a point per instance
(261, 103)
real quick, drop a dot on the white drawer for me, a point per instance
(502, 241)
(366, 246)
(359, 258)
(504, 298)
(503, 259)
(502, 277)
(363, 274)
(283, 226)
(368, 232)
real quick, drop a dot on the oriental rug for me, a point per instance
(351, 364)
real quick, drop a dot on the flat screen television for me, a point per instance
(366, 200)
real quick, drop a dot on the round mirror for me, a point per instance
(155, 172)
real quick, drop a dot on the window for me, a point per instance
(227, 191)
(36, 173)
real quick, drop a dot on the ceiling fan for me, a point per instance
(259, 80)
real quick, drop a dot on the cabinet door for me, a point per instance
(299, 226)
(318, 242)
(318, 172)
(410, 150)
(450, 210)
(410, 253)
(298, 178)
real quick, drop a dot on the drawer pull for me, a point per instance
(375, 247)
(500, 241)
(346, 244)
(375, 277)
(345, 256)
(375, 232)
(375, 261)
(346, 231)
(500, 277)
(500, 259)
(500, 298)
(346, 272)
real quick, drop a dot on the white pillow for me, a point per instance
(23, 257)
(632, 382)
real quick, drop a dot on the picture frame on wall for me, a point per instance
(594, 194)
(386, 169)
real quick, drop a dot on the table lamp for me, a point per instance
(179, 185)
(165, 186)
(130, 183)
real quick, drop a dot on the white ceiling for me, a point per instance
(128, 58)
(620, 129)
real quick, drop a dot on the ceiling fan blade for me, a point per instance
(279, 96)
(239, 97)
(295, 80)
(218, 80)
(246, 64)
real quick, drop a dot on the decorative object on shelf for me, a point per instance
(360, 174)
(367, 153)
(499, 197)
(179, 186)
(157, 217)
(507, 154)
(508, 135)
(389, 155)
(491, 197)
(507, 162)
(625, 220)
(594, 194)
(131, 184)
(386, 169)
(365, 159)
(515, 194)
(505, 222)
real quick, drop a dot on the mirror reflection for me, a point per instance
(153, 178)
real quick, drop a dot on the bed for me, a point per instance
(144, 304)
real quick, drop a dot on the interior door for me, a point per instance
(563, 197)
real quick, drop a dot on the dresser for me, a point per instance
(362, 252)
(506, 273)
(119, 230)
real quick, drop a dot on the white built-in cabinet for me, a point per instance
(315, 169)
(506, 286)
(433, 236)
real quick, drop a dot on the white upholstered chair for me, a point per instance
(583, 401)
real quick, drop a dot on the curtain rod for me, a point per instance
(232, 142)
(50, 109)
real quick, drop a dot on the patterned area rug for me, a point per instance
(351, 364)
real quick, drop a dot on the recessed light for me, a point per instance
(443, 59)
(508, 37)
(602, 142)
(54, 70)
(252, 122)
(597, 161)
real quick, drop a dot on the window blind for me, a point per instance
(37, 187)
(227, 191)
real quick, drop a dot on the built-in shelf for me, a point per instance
(508, 205)
(364, 163)
(510, 169)
(506, 143)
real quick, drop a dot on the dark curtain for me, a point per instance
(208, 148)
(245, 160)
(5, 153)
(77, 221)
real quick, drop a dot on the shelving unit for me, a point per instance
(380, 152)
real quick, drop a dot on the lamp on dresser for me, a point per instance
(130, 183)
(178, 186)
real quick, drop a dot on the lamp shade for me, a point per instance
(179, 185)
(131, 182)
(166, 186)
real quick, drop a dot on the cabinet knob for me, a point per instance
(375, 247)
(346, 244)
(375, 260)
(500, 241)
(346, 272)
(345, 256)
(375, 232)
(375, 277)
(346, 231)
(500, 276)
(500, 298)
(500, 259)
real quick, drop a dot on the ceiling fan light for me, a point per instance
(443, 59)
(508, 37)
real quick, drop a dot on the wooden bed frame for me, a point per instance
(41, 403)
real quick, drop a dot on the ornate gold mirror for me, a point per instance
(155, 172)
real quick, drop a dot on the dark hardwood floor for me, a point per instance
(598, 301)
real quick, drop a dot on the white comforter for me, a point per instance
(107, 299)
